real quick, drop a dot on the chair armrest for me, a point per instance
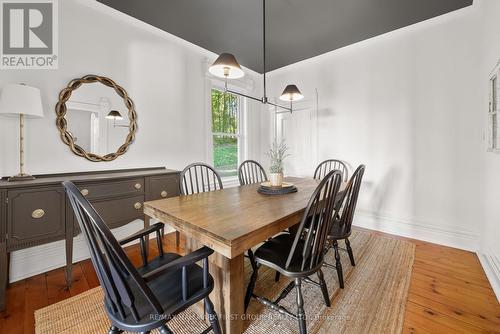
(153, 228)
(177, 264)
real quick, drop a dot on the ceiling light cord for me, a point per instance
(264, 98)
(226, 66)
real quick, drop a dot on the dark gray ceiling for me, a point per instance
(296, 29)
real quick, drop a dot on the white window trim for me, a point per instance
(244, 86)
(490, 140)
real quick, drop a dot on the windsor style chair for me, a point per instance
(342, 225)
(145, 298)
(301, 255)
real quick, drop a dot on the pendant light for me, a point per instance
(227, 67)
(291, 93)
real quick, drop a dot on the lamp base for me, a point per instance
(21, 177)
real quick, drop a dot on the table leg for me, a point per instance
(4, 274)
(69, 252)
(177, 239)
(147, 222)
(229, 290)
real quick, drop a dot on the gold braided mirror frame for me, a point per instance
(62, 125)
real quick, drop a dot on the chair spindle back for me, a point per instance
(114, 270)
(250, 171)
(319, 213)
(331, 164)
(199, 177)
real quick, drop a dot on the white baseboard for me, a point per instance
(491, 265)
(36, 260)
(420, 231)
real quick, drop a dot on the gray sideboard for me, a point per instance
(37, 212)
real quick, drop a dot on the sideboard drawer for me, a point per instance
(162, 186)
(112, 189)
(118, 212)
(34, 215)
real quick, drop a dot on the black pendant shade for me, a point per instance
(226, 66)
(114, 114)
(291, 93)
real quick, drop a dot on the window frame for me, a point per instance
(242, 127)
(493, 140)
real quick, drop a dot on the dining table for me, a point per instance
(231, 221)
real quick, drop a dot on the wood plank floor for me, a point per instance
(449, 292)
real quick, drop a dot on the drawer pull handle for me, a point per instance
(138, 186)
(164, 194)
(137, 206)
(84, 192)
(38, 213)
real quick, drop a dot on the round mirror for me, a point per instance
(96, 118)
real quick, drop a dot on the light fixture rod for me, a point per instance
(257, 99)
(264, 98)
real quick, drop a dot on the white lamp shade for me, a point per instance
(16, 99)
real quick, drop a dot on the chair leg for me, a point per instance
(212, 316)
(165, 330)
(114, 330)
(338, 264)
(324, 288)
(277, 276)
(251, 286)
(301, 315)
(349, 251)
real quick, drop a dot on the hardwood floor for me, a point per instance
(449, 292)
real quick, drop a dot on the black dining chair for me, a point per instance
(250, 171)
(144, 298)
(199, 177)
(301, 255)
(342, 225)
(331, 164)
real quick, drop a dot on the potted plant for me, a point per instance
(277, 153)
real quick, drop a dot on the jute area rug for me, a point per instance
(373, 300)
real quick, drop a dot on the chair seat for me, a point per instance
(339, 231)
(167, 289)
(274, 254)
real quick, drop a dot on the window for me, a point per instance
(493, 138)
(226, 132)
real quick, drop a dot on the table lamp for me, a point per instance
(25, 101)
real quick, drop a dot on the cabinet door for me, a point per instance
(35, 216)
(3, 214)
(162, 186)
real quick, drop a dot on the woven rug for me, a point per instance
(373, 300)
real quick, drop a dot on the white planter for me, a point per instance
(276, 179)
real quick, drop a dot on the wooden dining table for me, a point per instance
(231, 221)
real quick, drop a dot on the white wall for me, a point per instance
(490, 245)
(164, 75)
(412, 105)
(406, 104)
